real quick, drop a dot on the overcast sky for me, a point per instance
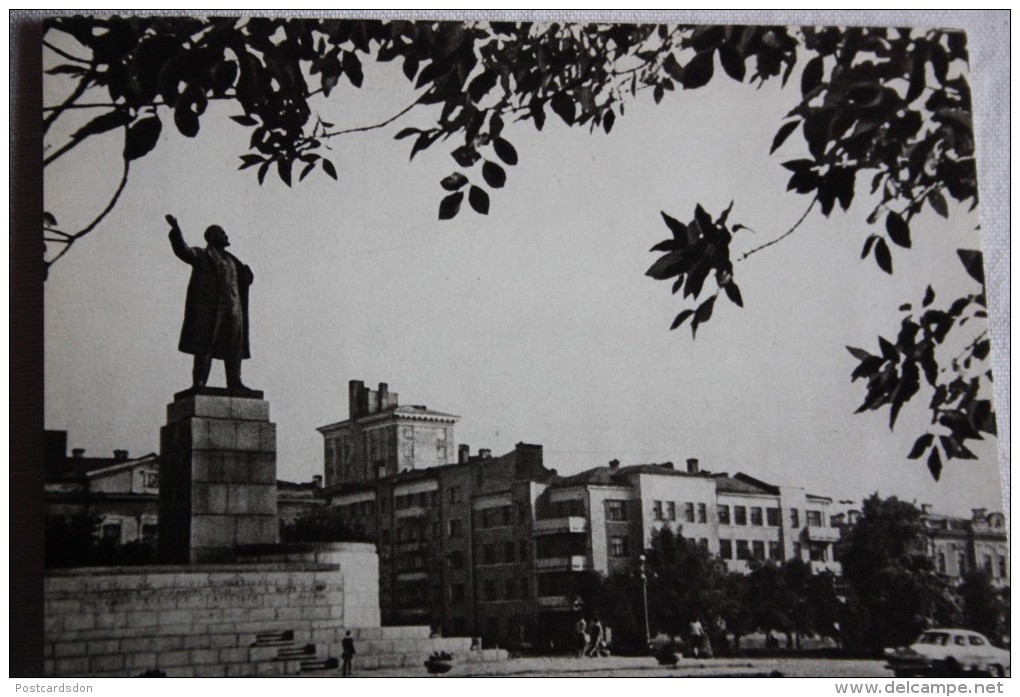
(534, 323)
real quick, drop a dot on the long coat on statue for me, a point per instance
(209, 309)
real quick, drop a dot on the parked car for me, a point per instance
(948, 652)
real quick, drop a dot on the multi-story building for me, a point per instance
(961, 545)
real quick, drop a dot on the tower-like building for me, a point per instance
(381, 438)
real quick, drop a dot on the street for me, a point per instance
(645, 666)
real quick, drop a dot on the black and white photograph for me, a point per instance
(548, 345)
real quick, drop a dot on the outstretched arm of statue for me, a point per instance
(181, 249)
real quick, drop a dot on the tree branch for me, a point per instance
(373, 127)
(785, 234)
(72, 237)
(65, 54)
(83, 85)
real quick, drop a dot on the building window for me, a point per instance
(740, 515)
(455, 560)
(457, 593)
(455, 528)
(814, 519)
(758, 548)
(508, 552)
(488, 554)
(384, 536)
(818, 553)
(149, 532)
(1002, 565)
(961, 563)
(703, 543)
(798, 551)
(743, 550)
(383, 505)
(671, 510)
(772, 517)
(616, 510)
(702, 513)
(511, 589)
(775, 550)
(524, 588)
(756, 518)
(453, 494)
(988, 564)
(657, 510)
(940, 562)
(794, 518)
(490, 590)
(151, 480)
(618, 546)
(522, 550)
(689, 512)
(726, 549)
(111, 532)
(724, 515)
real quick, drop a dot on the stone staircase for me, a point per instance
(312, 651)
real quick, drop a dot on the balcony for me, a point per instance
(554, 602)
(412, 576)
(577, 562)
(822, 534)
(554, 526)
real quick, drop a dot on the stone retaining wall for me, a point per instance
(126, 620)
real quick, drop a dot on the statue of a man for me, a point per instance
(216, 309)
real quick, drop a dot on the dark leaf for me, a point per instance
(466, 155)
(328, 168)
(938, 203)
(262, 172)
(665, 267)
(537, 109)
(283, 167)
(782, 134)
(733, 293)
(889, 351)
(680, 319)
(244, 120)
(928, 365)
(410, 66)
(479, 200)
(883, 256)
(657, 93)
(481, 85)
(142, 137)
(732, 62)
(678, 229)
(812, 76)
(49, 219)
(673, 68)
(982, 349)
(703, 314)
(972, 261)
(899, 231)
(704, 220)
(564, 107)
(454, 181)
(929, 297)
(406, 132)
(698, 71)
(352, 68)
(608, 120)
(920, 445)
(505, 151)
(101, 124)
(859, 354)
(935, 464)
(905, 307)
(664, 246)
(185, 119)
(868, 243)
(450, 205)
(493, 174)
(305, 170)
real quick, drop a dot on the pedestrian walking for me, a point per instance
(347, 654)
(597, 638)
(581, 637)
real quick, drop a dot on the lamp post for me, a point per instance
(644, 593)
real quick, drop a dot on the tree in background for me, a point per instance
(893, 582)
(888, 110)
(985, 607)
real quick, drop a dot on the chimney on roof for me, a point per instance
(317, 481)
(463, 453)
(979, 513)
(692, 465)
(668, 465)
(484, 453)
(926, 508)
(383, 395)
(120, 455)
(78, 453)
(614, 464)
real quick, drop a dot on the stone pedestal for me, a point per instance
(217, 486)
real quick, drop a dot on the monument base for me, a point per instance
(217, 476)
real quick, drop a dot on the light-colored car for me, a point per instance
(948, 652)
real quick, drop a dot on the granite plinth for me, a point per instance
(217, 476)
